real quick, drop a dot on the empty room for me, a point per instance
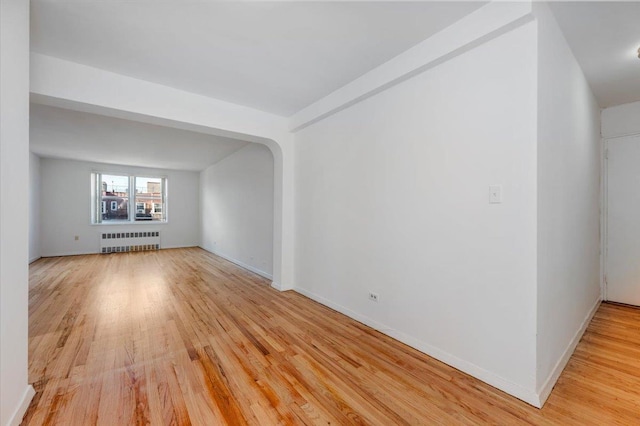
(264, 213)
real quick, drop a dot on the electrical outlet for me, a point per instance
(374, 297)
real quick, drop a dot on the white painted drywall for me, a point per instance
(66, 207)
(621, 120)
(15, 392)
(34, 207)
(392, 197)
(569, 156)
(486, 22)
(237, 208)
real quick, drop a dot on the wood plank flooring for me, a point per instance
(180, 337)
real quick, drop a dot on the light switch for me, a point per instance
(495, 194)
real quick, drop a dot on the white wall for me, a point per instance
(66, 207)
(621, 120)
(569, 156)
(392, 197)
(34, 207)
(15, 393)
(237, 208)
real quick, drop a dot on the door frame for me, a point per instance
(604, 207)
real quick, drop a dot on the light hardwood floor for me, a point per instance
(184, 337)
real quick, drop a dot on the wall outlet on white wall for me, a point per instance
(374, 297)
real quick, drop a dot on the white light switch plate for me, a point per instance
(495, 194)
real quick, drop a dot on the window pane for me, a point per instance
(115, 198)
(149, 198)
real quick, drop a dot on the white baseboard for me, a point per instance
(547, 387)
(276, 285)
(69, 253)
(242, 265)
(33, 259)
(179, 246)
(97, 251)
(17, 416)
(527, 395)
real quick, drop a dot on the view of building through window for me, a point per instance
(148, 198)
(114, 196)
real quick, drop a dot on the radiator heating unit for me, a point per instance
(123, 242)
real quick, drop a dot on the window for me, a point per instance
(148, 193)
(111, 198)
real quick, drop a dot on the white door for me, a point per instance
(623, 221)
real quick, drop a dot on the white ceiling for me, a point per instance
(278, 57)
(62, 133)
(605, 37)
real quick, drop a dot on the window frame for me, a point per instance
(99, 207)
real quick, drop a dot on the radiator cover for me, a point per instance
(123, 242)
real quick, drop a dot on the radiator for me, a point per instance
(122, 242)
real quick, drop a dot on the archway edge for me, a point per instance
(68, 85)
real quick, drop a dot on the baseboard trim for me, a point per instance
(178, 247)
(82, 253)
(17, 416)
(33, 259)
(69, 253)
(547, 387)
(480, 373)
(242, 265)
(276, 285)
